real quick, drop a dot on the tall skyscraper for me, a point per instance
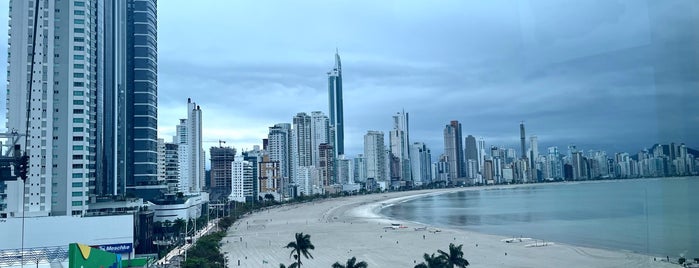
(319, 134)
(453, 149)
(400, 146)
(522, 139)
(191, 152)
(375, 155)
(335, 106)
(301, 143)
(51, 101)
(279, 149)
(421, 163)
(127, 99)
(471, 153)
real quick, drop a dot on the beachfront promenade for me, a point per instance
(344, 227)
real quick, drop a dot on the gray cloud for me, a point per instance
(612, 75)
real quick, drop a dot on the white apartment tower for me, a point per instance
(375, 155)
(242, 180)
(319, 134)
(190, 151)
(51, 103)
(301, 145)
(400, 144)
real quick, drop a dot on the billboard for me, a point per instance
(82, 256)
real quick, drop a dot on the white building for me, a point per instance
(301, 146)
(279, 149)
(191, 154)
(375, 155)
(400, 144)
(319, 134)
(50, 99)
(241, 183)
(359, 168)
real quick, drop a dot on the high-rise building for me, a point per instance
(326, 166)
(279, 149)
(453, 149)
(375, 155)
(319, 134)
(534, 157)
(471, 153)
(359, 168)
(335, 106)
(221, 176)
(52, 103)
(400, 146)
(421, 163)
(241, 186)
(301, 143)
(344, 170)
(172, 167)
(191, 153)
(161, 161)
(127, 99)
(522, 139)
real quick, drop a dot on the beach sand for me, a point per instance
(341, 228)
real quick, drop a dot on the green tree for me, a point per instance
(302, 245)
(432, 261)
(351, 263)
(179, 225)
(455, 257)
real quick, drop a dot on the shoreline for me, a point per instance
(344, 227)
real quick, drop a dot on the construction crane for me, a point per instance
(220, 142)
(12, 139)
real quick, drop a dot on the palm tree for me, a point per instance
(351, 263)
(302, 245)
(455, 257)
(432, 261)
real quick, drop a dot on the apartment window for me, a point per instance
(78, 147)
(75, 156)
(78, 93)
(78, 102)
(77, 166)
(79, 3)
(78, 111)
(77, 193)
(78, 84)
(78, 129)
(78, 12)
(79, 48)
(79, 66)
(79, 21)
(78, 75)
(77, 204)
(79, 39)
(76, 57)
(77, 138)
(78, 30)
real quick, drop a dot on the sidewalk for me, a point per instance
(180, 250)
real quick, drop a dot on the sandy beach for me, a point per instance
(341, 228)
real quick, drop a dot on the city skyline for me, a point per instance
(609, 80)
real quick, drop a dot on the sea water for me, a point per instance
(649, 216)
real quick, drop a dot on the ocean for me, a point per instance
(649, 216)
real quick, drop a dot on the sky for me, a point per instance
(600, 74)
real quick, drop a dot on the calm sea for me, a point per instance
(649, 216)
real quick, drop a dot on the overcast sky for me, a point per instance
(611, 75)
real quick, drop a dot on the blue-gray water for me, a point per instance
(649, 216)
